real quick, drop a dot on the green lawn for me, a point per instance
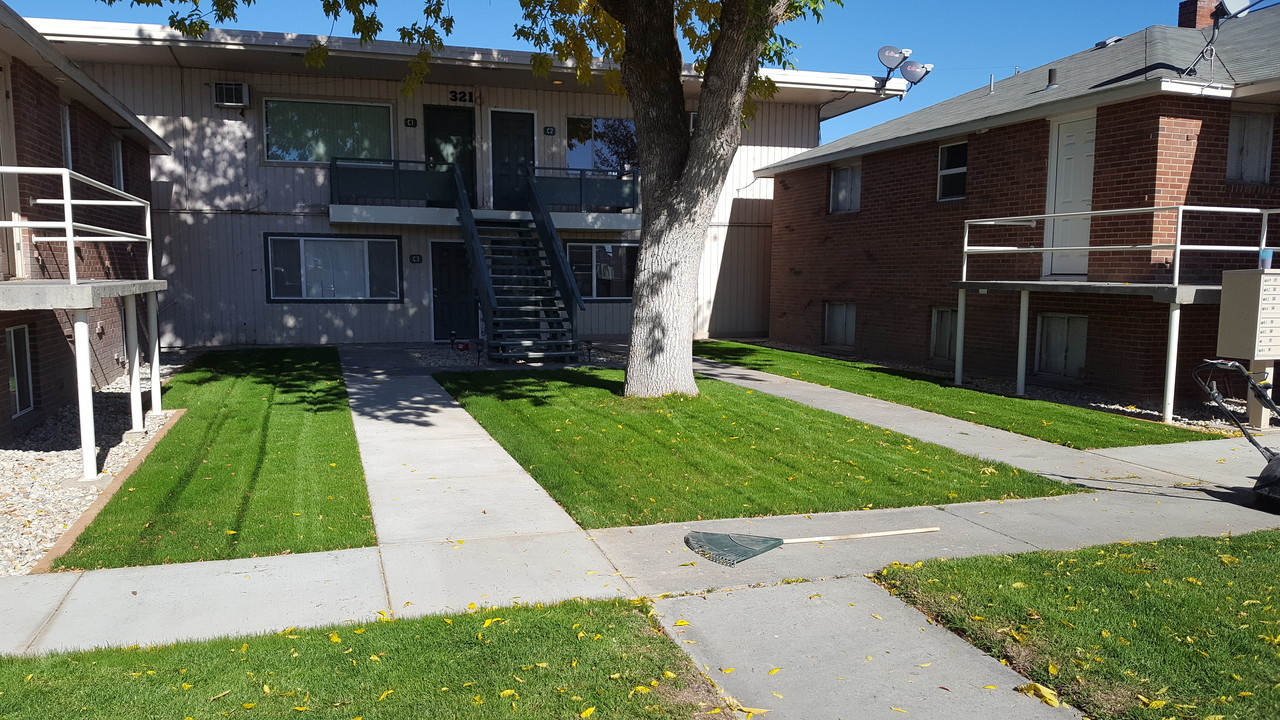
(539, 662)
(1182, 628)
(614, 461)
(1062, 424)
(264, 462)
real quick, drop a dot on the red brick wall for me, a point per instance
(895, 258)
(38, 135)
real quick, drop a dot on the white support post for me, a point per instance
(153, 338)
(131, 351)
(84, 395)
(960, 338)
(1024, 306)
(1171, 362)
(1259, 417)
(69, 226)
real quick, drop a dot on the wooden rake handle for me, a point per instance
(882, 533)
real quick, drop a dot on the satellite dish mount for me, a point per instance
(1226, 10)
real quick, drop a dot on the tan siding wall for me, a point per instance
(215, 197)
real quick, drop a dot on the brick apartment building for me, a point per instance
(869, 232)
(60, 130)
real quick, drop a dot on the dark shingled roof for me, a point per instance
(1246, 52)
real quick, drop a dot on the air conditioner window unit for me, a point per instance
(227, 94)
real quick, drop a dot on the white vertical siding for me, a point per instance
(216, 197)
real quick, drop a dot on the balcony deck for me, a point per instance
(44, 294)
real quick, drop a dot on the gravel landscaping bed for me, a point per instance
(41, 491)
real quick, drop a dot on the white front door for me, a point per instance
(1070, 190)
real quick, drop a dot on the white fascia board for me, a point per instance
(1182, 87)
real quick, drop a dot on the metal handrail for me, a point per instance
(1177, 245)
(475, 251)
(70, 227)
(551, 244)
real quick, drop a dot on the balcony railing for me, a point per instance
(1178, 246)
(411, 183)
(73, 231)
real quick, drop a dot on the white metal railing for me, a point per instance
(1178, 246)
(71, 230)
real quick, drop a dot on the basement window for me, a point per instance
(21, 380)
(1061, 348)
(329, 268)
(840, 322)
(1249, 147)
(953, 170)
(942, 341)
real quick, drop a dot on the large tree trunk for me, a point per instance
(683, 175)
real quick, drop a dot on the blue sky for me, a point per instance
(966, 41)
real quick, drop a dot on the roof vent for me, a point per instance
(233, 95)
(1108, 42)
(1053, 80)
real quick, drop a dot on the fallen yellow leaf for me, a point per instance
(1040, 692)
(587, 713)
(384, 695)
(775, 671)
(681, 623)
(248, 706)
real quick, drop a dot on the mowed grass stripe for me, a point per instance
(264, 462)
(602, 659)
(1067, 425)
(614, 461)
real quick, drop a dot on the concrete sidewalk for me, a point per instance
(459, 521)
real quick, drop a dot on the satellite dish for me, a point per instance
(914, 72)
(1236, 8)
(891, 57)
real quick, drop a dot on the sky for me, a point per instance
(967, 41)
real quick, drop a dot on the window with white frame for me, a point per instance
(21, 381)
(1249, 147)
(316, 131)
(1061, 349)
(841, 320)
(942, 342)
(846, 188)
(604, 271)
(602, 143)
(329, 268)
(953, 170)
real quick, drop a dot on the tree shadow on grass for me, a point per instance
(535, 386)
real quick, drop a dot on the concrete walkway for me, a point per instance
(459, 521)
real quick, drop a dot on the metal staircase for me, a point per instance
(526, 291)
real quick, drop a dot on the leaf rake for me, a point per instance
(732, 548)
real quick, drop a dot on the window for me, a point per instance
(1249, 147)
(840, 321)
(1060, 352)
(65, 114)
(117, 164)
(317, 132)
(942, 342)
(333, 268)
(21, 387)
(953, 167)
(604, 271)
(602, 144)
(846, 188)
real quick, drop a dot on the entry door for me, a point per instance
(1071, 188)
(512, 158)
(453, 299)
(451, 138)
(7, 247)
